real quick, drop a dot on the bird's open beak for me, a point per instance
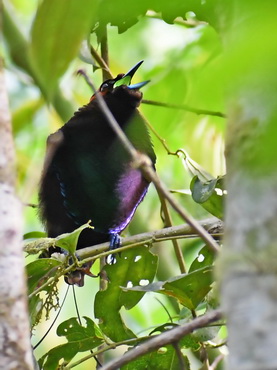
(126, 79)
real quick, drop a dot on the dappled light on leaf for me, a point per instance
(124, 273)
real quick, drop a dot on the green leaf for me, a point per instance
(124, 16)
(57, 32)
(210, 194)
(79, 339)
(205, 258)
(190, 289)
(164, 358)
(40, 269)
(34, 235)
(69, 241)
(132, 268)
(191, 342)
(119, 13)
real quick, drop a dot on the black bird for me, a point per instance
(88, 175)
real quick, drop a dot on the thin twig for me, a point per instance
(168, 337)
(86, 77)
(145, 164)
(105, 55)
(168, 223)
(159, 137)
(184, 107)
(101, 62)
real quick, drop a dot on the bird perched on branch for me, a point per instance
(89, 175)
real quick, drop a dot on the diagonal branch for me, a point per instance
(168, 337)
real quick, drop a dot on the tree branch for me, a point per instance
(212, 225)
(167, 233)
(168, 337)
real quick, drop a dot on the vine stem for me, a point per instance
(176, 246)
(185, 107)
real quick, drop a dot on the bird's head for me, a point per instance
(121, 85)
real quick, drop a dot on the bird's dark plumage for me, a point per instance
(88, 175)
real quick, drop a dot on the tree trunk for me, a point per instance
(15, 348)
(248, 264)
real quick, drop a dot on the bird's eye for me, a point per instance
(107, 85)
(104, 86)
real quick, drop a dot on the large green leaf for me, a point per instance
(79, 339)
(190, 289)
(125, 15)
(132, 267)
(57, 32)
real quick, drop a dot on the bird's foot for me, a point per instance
(115, 242)
(76, 277)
